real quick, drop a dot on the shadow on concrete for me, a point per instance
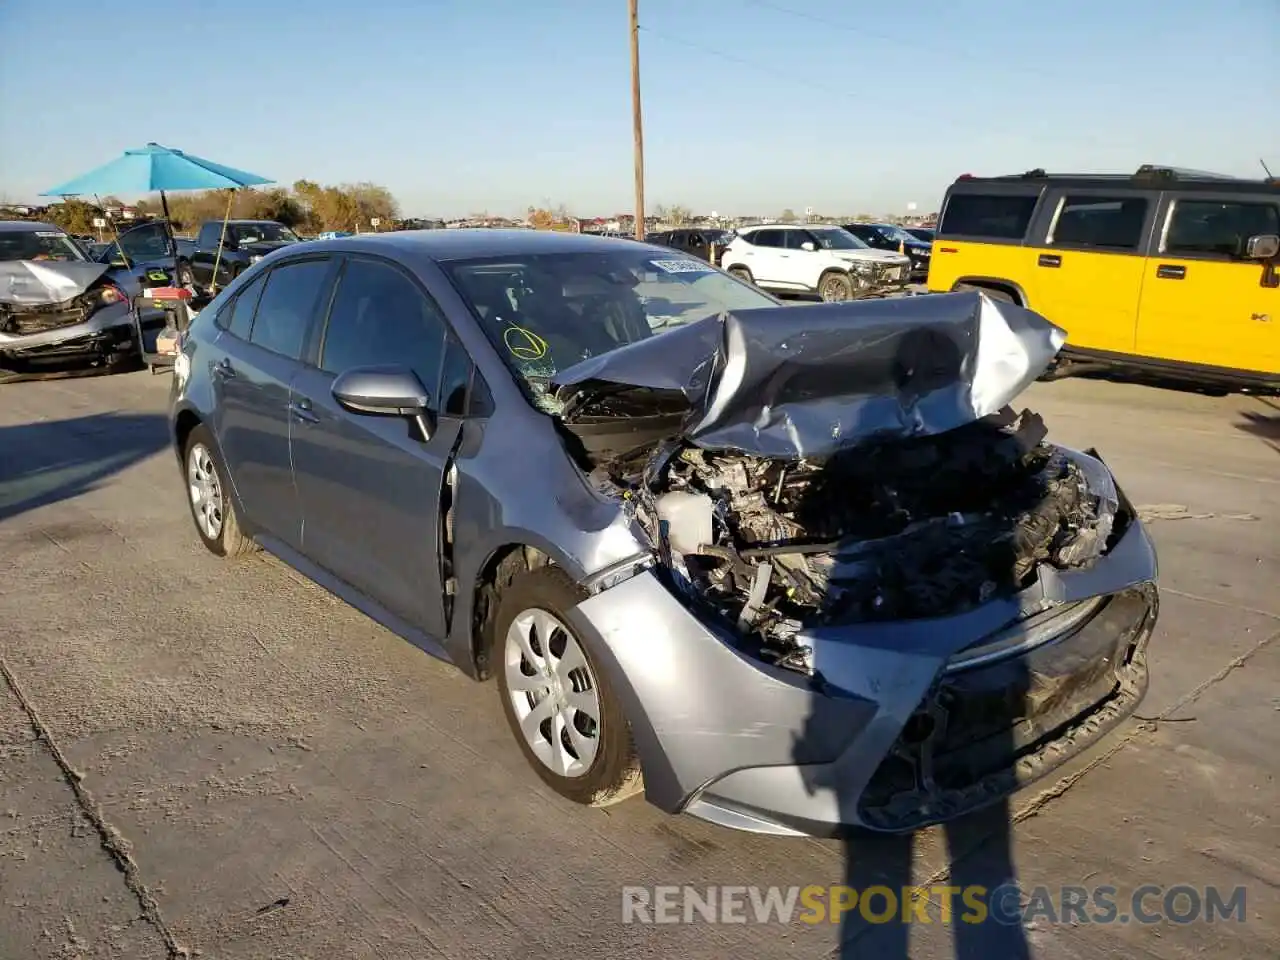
(56, 460)
(1263, 424)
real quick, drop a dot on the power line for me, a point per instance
(917, 46)
(966, 123)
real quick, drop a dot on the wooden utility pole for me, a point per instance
(637, 125)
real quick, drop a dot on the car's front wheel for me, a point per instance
(560, 706)
(209, 496)
(835, 287)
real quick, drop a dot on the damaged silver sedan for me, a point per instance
(57, 307)
(789, 569)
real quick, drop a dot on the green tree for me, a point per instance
(788, 216)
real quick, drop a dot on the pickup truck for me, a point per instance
(146, 247)
(245, 242)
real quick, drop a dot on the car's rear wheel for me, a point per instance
(740, 273)
(835, 287)
(560, 706)
(209, 496)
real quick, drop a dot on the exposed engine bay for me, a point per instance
(902, 529)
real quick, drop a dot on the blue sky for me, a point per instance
(463, 106)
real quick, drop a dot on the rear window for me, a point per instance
(998, 216)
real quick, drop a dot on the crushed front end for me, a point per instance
(886, 624)
(59, 315)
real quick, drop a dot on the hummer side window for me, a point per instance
(1112, 223)
(1215, 228)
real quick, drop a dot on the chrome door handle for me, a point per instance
(223, 368)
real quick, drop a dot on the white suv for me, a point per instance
(828, 261)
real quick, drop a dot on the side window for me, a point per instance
(208, 235)
(996, 216)
(1216, 228)
(147, 242)
(237, 317)
(287, 305)
(378, 317)
(767, 238)
(1110, 223)
(794, 239)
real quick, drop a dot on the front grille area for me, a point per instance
(982, 733)
(25, 320)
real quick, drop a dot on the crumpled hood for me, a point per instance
(806, 381)
(35, 282)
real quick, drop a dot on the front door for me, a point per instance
(260, 348)
(1088, 272)
(1202, 303)
(369, 490)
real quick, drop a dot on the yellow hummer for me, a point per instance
(1167, 271)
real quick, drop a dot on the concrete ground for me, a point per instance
(217, 759)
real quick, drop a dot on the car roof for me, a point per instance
(464, 243)
(26, 226)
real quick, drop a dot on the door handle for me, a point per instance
(224, 369)
(1049, 260)
(301, 410)
(1169, 271)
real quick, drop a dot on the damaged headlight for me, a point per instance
(1088, 542)
(105, 296)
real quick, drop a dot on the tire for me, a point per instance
(202, 465)
(741, 273)
(540, 599)
(835, 287)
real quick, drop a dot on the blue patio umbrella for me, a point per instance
(155, 168)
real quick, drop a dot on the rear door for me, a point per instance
(262, 343)
(370, 492)
(767, 257)
(1201, 302)
(1089, 264)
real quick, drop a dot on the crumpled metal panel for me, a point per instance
(34, 282)
(805, 381)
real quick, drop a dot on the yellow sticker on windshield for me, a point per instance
(524, 344)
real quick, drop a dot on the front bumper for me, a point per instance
(902, 725)
(106, 331)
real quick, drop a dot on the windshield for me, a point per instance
(921, 233)
(896, 234)
(38, 245)
(546, 312)
(834, 238)
(257, 232)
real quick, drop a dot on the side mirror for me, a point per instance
(1262, 247)
(391, 391)
(808, 245)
